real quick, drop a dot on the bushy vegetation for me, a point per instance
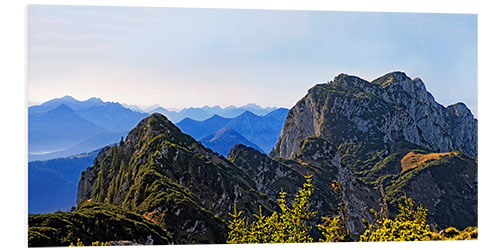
(292, 224)
(79, 243)
(409, 225)
(90, 223)
(334, 230)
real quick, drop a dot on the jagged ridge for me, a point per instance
(389, 109)
(171, 179)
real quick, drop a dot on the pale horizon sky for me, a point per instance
(179, 58)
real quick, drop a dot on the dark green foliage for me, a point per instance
(452, 173)
(361, 157)
(291, 225)
(409, 225)
(334, 230)
(173, 181)
(451, 233)
(390, 165)
(79, 243)
(92, 222)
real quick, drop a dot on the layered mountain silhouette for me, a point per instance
(112, 116)
(65, 126)
(377, 140)
(52, 184)
(59, 129)
(95, 142)
(262, 131)
(205, 112)
(224, 139)
(200, 129)
(66, 100)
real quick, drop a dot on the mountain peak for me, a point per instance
(459, 109)
(67, 98)
(393, 105)
(224, 139)
(247, 114)
(183, 121)
(155, 121)
(251, 105)
(158, 124)
(389, 78)
(95, 100)
(214, 117)
(343, 77)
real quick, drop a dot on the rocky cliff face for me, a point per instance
(317, 157)
(172, 180)
(377, 114)
(373, 129)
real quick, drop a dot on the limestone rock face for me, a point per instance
(388, 109)
(371, 127)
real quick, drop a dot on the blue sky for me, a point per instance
(194, 57)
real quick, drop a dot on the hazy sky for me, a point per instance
(195, 57)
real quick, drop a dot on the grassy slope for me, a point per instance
(92, 222)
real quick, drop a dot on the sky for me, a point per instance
(180, 58)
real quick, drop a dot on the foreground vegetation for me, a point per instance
(91, 223)
(292, 224)
(98, 224)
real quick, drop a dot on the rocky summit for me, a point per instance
(377, 115)
(377, 126)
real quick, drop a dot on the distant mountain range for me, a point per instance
(90, 144)
(59, 129)
(247, 128)
(66, 100)
(62, 131)
(206, 112)
(224, 139)
(66, 126)
(52, 184)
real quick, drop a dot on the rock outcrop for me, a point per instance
(378, 113)
(373, 126)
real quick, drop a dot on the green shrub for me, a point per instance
(409, 225)
(291, 225)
